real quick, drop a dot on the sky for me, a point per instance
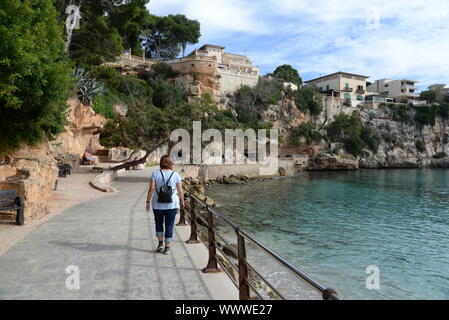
(377, 38)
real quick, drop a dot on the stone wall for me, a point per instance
(191, 65)
(287, 167)
(231, 81)
(32, 172)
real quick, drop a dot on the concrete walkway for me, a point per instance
(112, 242)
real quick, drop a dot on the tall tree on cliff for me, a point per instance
(288, 73)
(186, 31)
(164, 37)
(129, 19)
(34, 73)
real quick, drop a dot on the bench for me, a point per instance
(10, 201)
(64, 169)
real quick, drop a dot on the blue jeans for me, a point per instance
(168, 217)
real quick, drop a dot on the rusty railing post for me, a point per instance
(182, 218)
(212, 264)
(327, 294)
(193, 226)
(243, 269)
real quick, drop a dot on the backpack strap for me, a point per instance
(162, 174)
(163, 180)
(170, 177)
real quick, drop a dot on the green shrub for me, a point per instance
(306, 130)
(104, 105)
(251, 102)
(440, 155)
(163, 71)
(401, 113)
(308, 99)
(356, 137)
(247, 116)
(165, 94)
(108, 75)
(443, 111)
(426, 115)
(135, 89)
(420, 146)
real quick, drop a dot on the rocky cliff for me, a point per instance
(404, 143)
(33, 171)
(81, 133)
(399, 142)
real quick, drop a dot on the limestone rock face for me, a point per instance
(82, 132)
(32, 172)
(325, 161)
(440, 163)
(398, 142)
(195, 85)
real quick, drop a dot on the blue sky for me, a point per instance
(376, 38)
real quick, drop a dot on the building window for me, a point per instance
(327, 87)
(346, 85)
(360, 98)
(347, 96)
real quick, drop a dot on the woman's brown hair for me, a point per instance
(166, 163)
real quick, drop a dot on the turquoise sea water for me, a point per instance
(333, 225)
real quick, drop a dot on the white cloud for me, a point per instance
(217, 17)
(411, 38)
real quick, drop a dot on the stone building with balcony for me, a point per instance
(403, 90)
(347, 86)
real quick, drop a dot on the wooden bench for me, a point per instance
(10, 201)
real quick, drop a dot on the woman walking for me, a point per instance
(166, 197)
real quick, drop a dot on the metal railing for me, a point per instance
(245, 271)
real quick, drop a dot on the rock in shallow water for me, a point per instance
(325, 161)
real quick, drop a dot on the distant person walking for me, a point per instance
(166, 201)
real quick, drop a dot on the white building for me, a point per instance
(399, 90)
(348, 86)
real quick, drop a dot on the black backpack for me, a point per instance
(165, 192)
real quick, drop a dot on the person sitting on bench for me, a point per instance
(88, 158)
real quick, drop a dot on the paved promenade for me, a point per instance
(112, 242)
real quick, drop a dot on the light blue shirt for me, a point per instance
(175, 179)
